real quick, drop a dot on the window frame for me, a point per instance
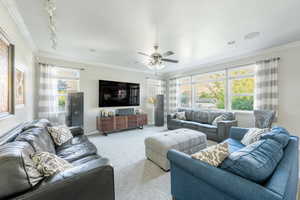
(11, 69)
(57, 78)
(178, 95)
(227, 87)
(229, 91)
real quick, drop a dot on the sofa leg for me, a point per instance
(173, 198)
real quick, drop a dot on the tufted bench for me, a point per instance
(184, 140)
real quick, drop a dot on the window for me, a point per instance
(184, 92)
(230, 89)
(67, 82)
(6, 77)
(209, 90)
(241, 84)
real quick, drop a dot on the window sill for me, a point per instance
(5, 116)
(243, 112)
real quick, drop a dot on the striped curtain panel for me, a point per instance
(172, 96)
(164, 92)
(266, 90)
(48, 101)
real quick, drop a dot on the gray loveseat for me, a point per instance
(201, 120)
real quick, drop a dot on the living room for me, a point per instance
(139, 100)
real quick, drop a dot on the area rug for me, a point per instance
(136, 178)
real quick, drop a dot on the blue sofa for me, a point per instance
(195, 180)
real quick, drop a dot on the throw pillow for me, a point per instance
(256, 161)
(279, 134)
(60, 134)
(253, 135)
(217, 120)
(228, 116)
(180, 115)
(213, 155)
(49, 164)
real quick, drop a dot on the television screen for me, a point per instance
(115, 94)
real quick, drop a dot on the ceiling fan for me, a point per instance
(157, 59)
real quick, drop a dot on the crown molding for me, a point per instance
(224, 61)
(14, 12)
(44, 54)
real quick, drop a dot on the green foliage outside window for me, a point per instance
(239, 86)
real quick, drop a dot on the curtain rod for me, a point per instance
(82, 69)
(252, 63)
(234, 66)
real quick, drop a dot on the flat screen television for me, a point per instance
(118, 94)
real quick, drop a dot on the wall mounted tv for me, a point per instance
(117, 94)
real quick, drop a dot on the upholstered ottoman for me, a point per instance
(184, 140)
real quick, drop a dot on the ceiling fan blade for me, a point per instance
(170, 60)
(168, 53)
(144, 54)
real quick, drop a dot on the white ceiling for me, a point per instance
(196, 30)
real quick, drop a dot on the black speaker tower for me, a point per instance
(75, 109)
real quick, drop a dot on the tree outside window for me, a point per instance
(231, 89)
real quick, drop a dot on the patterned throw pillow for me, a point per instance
(60, 134)
(217, 120)
(49, 164)
(180, 115)
(253, 135)
(213, 155)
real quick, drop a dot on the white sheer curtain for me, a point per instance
(266, 90)
(48, 101)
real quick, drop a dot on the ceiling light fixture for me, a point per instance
(50, 6)
(156, 65)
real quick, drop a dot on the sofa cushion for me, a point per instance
(234, 145)
(256, 161)
(190, 125)
(76, 148)
(207, 128)
(201, 116)
(85, 160)
(278, 134)
(17, 170)
(49, 164)
(41, 123)
(39, 138)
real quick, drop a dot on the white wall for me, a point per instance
(289, 83)
(89, 84)
(24, 60)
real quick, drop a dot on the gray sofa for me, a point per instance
(201, 120)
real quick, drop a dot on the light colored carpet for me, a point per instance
(136, 178)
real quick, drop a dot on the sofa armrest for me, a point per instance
(224, 128)
(238, 133)
(226, 182)
(92, 180)
(76, 130)
(171, 116)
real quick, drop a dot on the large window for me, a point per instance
(241, 84)
(230, 89)
(184, 92)
(209, 90)
(67, 82)
(6, 77)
